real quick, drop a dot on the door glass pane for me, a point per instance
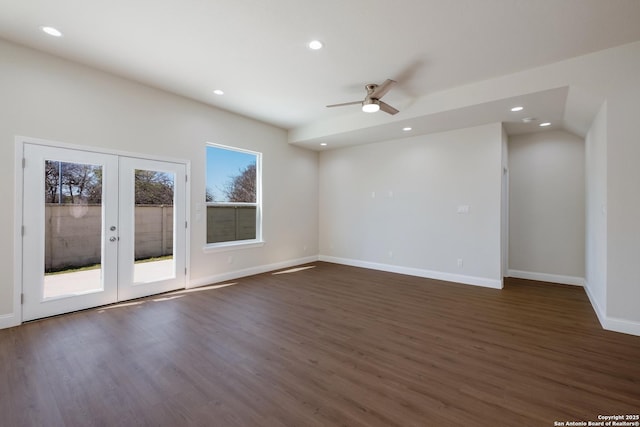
(154, 224)
(73, 229)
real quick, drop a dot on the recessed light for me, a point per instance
(407, 129)
(218, 92)
(518, 108)
(324, 144)
(52, 31)
(529, 119)
(544, 124)
(315, 44)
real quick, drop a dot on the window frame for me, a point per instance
(245, 243)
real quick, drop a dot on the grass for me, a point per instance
(154, 259)
(73, 269)
(97, 266)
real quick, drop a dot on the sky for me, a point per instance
(222, 165)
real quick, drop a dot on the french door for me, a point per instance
(99, 228)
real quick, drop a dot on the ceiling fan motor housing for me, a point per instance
(372, 102)
(370, 88)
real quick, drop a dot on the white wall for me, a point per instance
(596, 214)
(393, 205)
(623, 202)
(611, 75)
(504, 195)
(547, 211)
(50, 98)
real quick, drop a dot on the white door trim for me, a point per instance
(51, 143)
(127, 288)
(15, 318)
(36, 303)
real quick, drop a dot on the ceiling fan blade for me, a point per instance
(387, 108)
(381, 90)
(345, 103)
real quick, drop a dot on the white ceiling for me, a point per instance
(256, 51)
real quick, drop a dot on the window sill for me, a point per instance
(232, 246)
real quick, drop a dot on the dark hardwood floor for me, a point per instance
(329, 345)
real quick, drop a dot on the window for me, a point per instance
(233, 196)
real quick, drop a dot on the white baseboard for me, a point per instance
(622, 325)
(611, 323)
(232, 275)
(602, 315)
(545, 277)
(608, 323)
(8, 321)
(428, 274)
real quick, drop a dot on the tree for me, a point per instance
(209, 195)
(153, 188)
(242, 188)
(72, 183)
(51, 181)
(78, 179)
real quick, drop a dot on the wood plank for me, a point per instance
(326, 345)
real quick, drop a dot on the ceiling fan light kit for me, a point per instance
(371, 102)
(370, 105)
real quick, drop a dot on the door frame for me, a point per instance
(36, 285)
(127, 287)
(20, 142)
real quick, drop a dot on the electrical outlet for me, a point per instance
(460, 263)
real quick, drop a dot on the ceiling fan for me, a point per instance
(371, 102)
